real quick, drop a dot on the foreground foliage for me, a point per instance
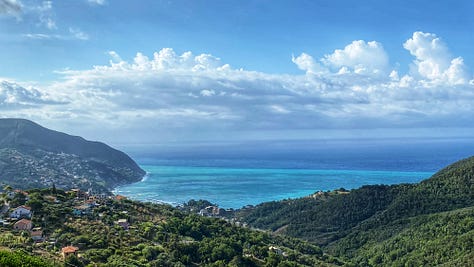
(155, 235)
(21, 259)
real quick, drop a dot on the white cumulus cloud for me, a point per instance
(359, 57)
(433, 60)
(307, 63)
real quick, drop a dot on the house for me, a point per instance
(37, 236)
(120, 197)
(51, 199)
(82, 210)
(21, 212)
(210, 211)
(203, 212)
(123, 223)
(23, 224)
(98, 196)
(78, 193)
(276, 250)
(69, 250)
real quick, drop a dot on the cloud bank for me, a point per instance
(182, 96)
(14, 96)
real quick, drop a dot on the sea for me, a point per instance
(236, 175)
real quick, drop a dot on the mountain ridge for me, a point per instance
(103, 165)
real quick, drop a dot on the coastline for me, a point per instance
(145, 177)
(238, 187)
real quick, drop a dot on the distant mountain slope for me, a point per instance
(362, 223)
(450, 188)
(31, 155)
(323, 217)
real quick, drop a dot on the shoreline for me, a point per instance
(239, 187)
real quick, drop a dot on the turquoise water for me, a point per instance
(237, 187)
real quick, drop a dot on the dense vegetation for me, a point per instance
(429, 223)
(21, 259)
(426, 240)
(156, 235)
(323, 217)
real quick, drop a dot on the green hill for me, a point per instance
(384, 225)
(450, 188)
(153, 235)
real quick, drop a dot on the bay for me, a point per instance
(237, 187)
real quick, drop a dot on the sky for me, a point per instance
(190, 72)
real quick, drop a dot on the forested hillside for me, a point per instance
(428, 223)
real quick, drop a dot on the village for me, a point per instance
(22, 219)
(83, 228)
(40, 168)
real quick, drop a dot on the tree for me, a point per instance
(18, 199)
(7, 188)
(72, 260)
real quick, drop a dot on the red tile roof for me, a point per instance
(69, 249)
(120, 197)
(23, 222)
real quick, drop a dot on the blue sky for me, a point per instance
(152, 72)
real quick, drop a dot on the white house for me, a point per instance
(21, 211)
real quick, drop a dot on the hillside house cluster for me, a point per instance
(20, 218)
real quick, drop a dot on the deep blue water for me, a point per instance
(236, 175)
